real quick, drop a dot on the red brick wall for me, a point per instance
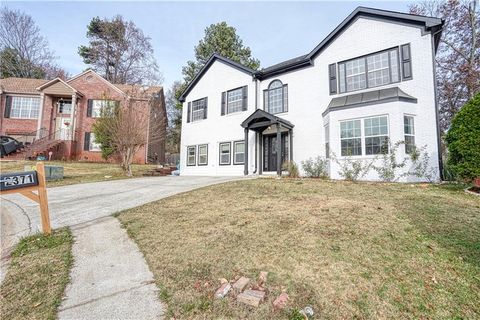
(92, 87)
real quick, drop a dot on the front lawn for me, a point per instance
(79, 172)
(349, 250)
(37, 276)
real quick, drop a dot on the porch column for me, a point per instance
(40, 116)
(290, 133)
(279, 150)
(72, 117)
(260, 153)
(245, 169)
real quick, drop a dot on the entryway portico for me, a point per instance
(274, 141)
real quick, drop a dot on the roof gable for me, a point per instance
(214, 57)
(57, 86)
(98, 76)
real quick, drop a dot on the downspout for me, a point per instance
(437, 116)
(256, 133)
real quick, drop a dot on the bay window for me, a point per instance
(409, 132)
(351, 138)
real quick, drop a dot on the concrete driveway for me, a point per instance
(110, 278)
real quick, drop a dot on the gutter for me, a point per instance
(437, 113)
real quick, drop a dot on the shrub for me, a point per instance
(387, 171)
(463, 141)
(421, 165)
(353, 170)
(315, 167)
(292, 169)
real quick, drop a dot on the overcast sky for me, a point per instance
(275, 31)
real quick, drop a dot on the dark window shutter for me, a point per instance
(86, 143)
(265, 100)
(189, 111)
(8, 106)
(285, 98)
(205, 108)
(245, 98)
(406, 62)
(332, 76)
(89, 107)
(224, 96)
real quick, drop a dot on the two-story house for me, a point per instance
(371, 80)
(56, 117)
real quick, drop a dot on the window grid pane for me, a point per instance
(239, 152)
(198, 108)
(409, 131)
(234, 100)
(350, 135)
(191, 156)
(25, 107)
(94, 146)
(376, 135)
(225, 153)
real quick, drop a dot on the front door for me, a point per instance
(270, 151)
(62, 128)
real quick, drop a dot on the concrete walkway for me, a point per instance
(110, 278)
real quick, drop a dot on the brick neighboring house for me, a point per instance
(58, 115)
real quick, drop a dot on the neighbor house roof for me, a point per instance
(369, 98)
(21, 85)
(428, 24)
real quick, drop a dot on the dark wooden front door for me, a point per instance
(270, 151)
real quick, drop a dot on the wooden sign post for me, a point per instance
(26, 183)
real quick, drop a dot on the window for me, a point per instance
(225, 153)
(235, 100)
(95, 107)
(351, 138)
(93, 145)
(327, 141)
(64, 106)
(370, 71)
(376, 135)
(409, 131)
(239, 152)
(276, 97)
(199, 109)
(24, 107)
(191, 151)
(203, 155)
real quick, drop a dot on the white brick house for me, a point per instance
(370, 80)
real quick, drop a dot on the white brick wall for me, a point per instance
(308, 97)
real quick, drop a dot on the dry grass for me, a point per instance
(349, 250)
(79, 172)
(37, 276)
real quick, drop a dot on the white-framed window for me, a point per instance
(235, 100)
(191, 155)
(276, 97)
(203, 154)
(409, 132)
(24, 107)
(239, 152)
(93, 145)
(224, 150)
(64, 106)
(98, 105)
(198, 109)
(351, 138)
(370, 134)
(376, 135)
(369, 71)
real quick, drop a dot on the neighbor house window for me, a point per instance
(238, 152)
(22, 107)
(276, 97)
(197, 110)
(203, 155)
(351, 138)
(225, 153)
(376, 135)
(95, 107)
(409, 131)
(234, 100)
(191, 155)
(369, 71)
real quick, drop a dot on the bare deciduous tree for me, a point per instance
(458, 56)
(24, 52)
(127, 127)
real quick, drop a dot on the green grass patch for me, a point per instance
(37, 276)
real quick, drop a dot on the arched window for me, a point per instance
(275, 97)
